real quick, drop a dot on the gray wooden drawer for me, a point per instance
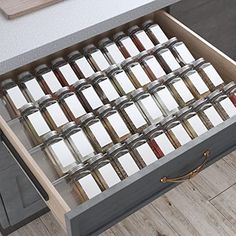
(104, 210)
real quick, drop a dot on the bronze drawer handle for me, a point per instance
(191, 174)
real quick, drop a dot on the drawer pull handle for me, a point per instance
(189, 175)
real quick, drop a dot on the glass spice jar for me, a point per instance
(87, 95)
(70, 104)
(96, 57)
(159, 141)
(52, 112)
(47, 79)
(194, 82)
(78, 141)
(104, 87)
(140, 38)
(114, 123)
(111, 50)
(131, 114)
(208, 74)
(163, 98)
(147, 105)
(136, 73)
(120, 79)
(58, 152)
(230, 90)
(125, 44)
(154, 32)
(179, 90)
(96, 132)
(30, 86)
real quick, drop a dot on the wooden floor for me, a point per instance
(205, 205)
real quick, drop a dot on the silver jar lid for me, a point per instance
(151, 87)
(96, 76)
(142, 55)
(229, 87)
(199, 103)
(182, 112)
(133, 138)
(89, 48)
(104, 42)
(169, 77)
(111, 69)
(132, 30)
(48, 137)
(103, 109)
(73, 56)
(85, 118)
(80, 83)
(137, 93)
(147, 24)
(94, 159)
(115, 148)
(128, 61)
(183, 70)
(119, 35)
(42, 69)
(68, 127)
(167, 120)
(121, 100)
(60, 92)
(58, 62)
(171, 41)
(157, 48)
(27, 107)
(24, 76)
(75, 170)
(214, 95)
(198, 62)
(7, 83)
(45, 99)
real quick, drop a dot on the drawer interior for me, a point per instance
(122, 199)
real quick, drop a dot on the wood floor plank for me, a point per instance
(231, 159)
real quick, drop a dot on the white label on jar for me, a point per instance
(52, 81)
(85, 67)
(184, 53)
(100, 134)
(17, 97)
(213, 116)
(135, 116)
(140, 74)
(130, 46)
(155, 67)
(57, 114)
(109, 90)
(89, 186)
(229, 107)
(100, 60)
(183, 91)
(146, 153)
(181, 134)
(197, 125)
(170, 60)
(118, 124)
(124, 82)
(92, 97)
(34, 88)
(75, 106)
(109, 175)
(115, 53)
(128, 164)
(159, 34)
(145, 40)
(38, 122)
(198, 83)
(68, 74)
(164, 144)
(213, 75)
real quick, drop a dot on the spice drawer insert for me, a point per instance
(109, 207)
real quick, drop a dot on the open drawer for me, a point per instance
(116, 203)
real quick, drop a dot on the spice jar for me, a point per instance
(131, 114)
(52, 112)
(120, 79)
(78, 141)
(222, 104)
(136, 73)
(176, 132)
(104, 87)
(87, 95)
(114, 124)
(47, 79)
(191, 122)
(85, 184)
(154, 32)
(96, 57)
(13, 97)
(151, 66)
(207, 112)
(30, 86)
(147, 106)
(194, 82)
(230, 90)
(96, 132)
(179, 90)
(158, 140)
(140, 149)
(166, 58)
(209, 74)
(125, 44)
(58, 152)
(103, 171)
(64, 72)
(70, 104)
(140, 38)
(180, 51)
(163, 98)
(111, 50)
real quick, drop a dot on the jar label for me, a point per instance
(128, 164)
(140, 74)
(68, 74)
(229, 107)
(181, 134)
(34, 88)
(183, 91)
(100, 60)
(17, 97)
(84, 67)
(184, 53)
(158, 33)
(124, 82)
(155, 67)
(213, 75)
(109, 90)
(145, 40)
(198, 83)
(92, 97)
(130, 46)
(213, 116)
(115, 53)
(164, 143)
(52, 81)
(197, 125)
(146, 153)
(170, 60)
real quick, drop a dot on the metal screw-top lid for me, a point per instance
(230, 86)
(127, 62)
(104, 42)
(198, 62)
(132, 30)
(183, 70)
(168, 120)
(171, 41)
(58, 62)
(199, 103)
(68, 127)
(94, 159)
(151, 87)
(7, 83)
(27, 107)
(103, 109)
(89, 48)
(94, 77)
(136, 93)
(142, 55)
(118, 36)
(24, 76)
(157, 48)
(147, 23)
(49, 136)
(115, 148)
(150, 129)
(182, 112)
(78, 84)
(212, 96)
(73, 56)
(111, 69)
(60, 92)
(169, 77)
(45, 99)
(85, 118)
(76, 169)
(42, 69)
(121, 100)
(133, 138)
